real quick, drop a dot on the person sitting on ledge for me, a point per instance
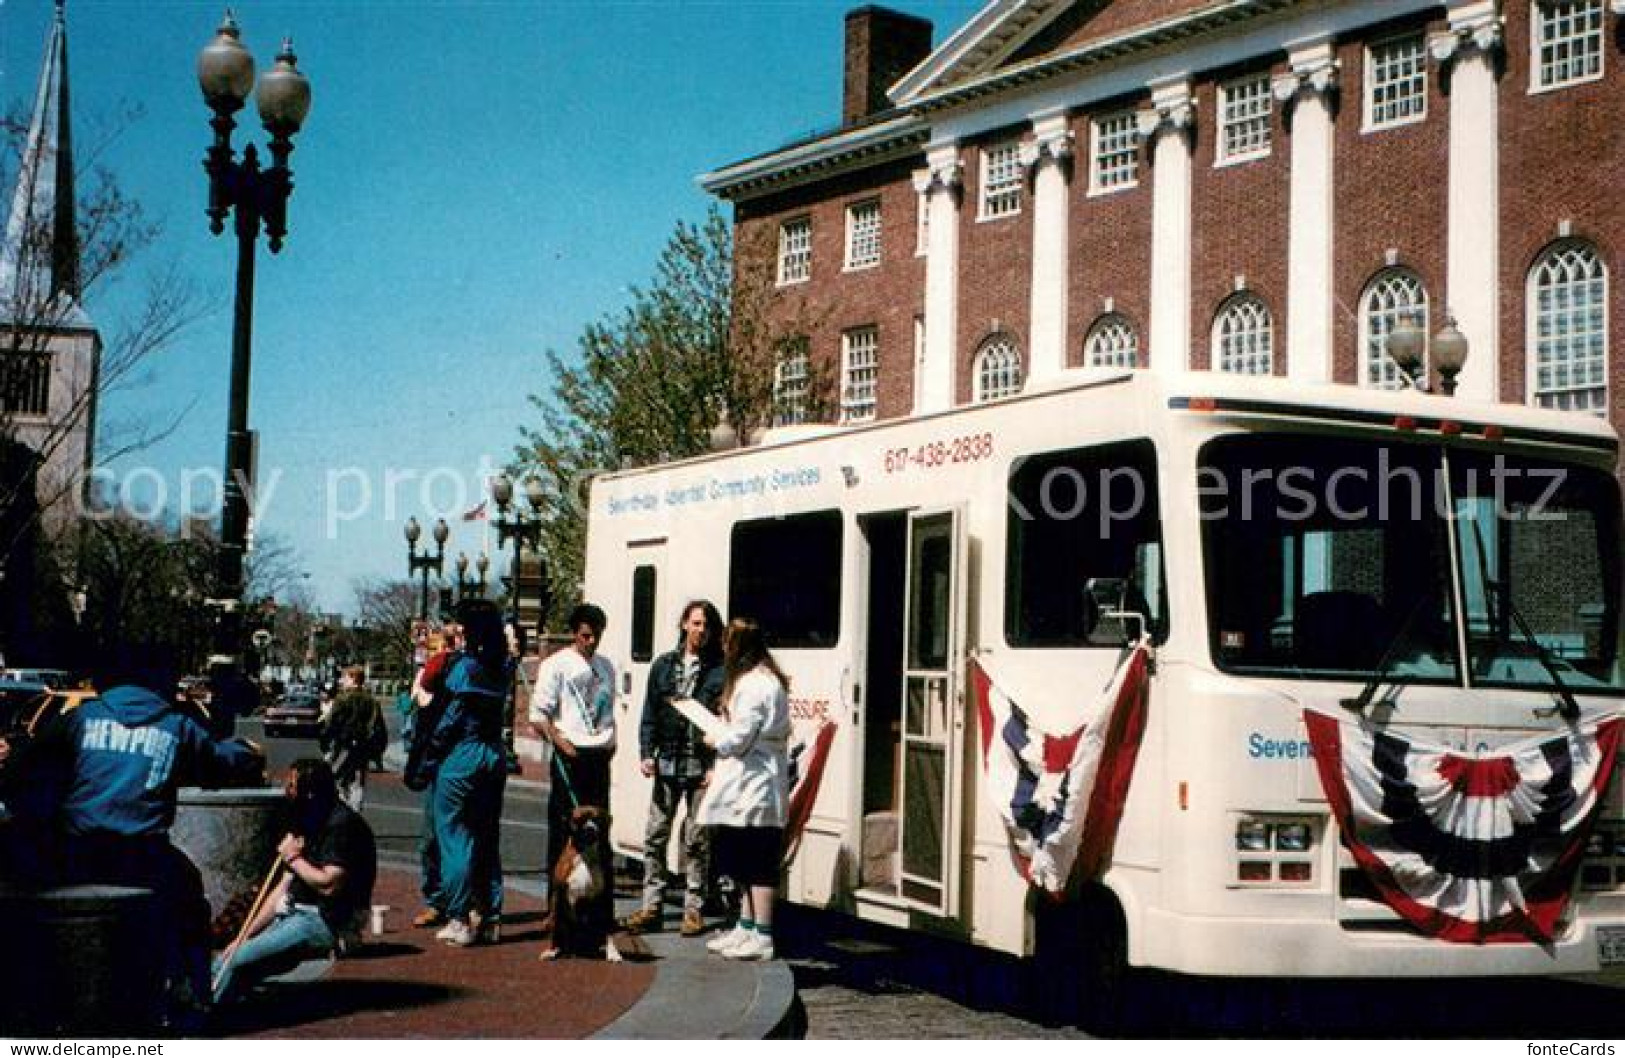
(329, 861)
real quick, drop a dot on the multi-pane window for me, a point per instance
(1244, 118)
(1396, 83)
(1394, 296)
(863, 234)
(795, 250)
(792, 382)
(1115, 150)
(1243, 337)
(25, 383)
(1567, 41)
(1111, 343)
(1568, 331)
(998, 369)
(860, 367)
(1001, 181)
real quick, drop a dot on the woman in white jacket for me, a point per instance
(749, 790)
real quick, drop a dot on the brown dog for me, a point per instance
(576, 902)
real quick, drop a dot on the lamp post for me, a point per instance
(466, 585)
(225, 72)
(1449, 355)
(425, 562)
(523, 529)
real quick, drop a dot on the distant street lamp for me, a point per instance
(523, 529)
(426, 562)
(468, 586)
(225, 72)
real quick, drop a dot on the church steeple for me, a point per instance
(39, 262)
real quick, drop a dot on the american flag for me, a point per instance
(475, 514)
(1061, 796)
(1472, 848)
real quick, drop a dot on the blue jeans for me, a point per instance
(467, 807)
(291, 938)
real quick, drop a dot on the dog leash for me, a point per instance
(564, 773)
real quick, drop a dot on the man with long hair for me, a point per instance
(673, 754)
(330, 861)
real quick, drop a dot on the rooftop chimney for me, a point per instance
(881, 46)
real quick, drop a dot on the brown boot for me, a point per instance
(430, 918)
(643, 920)
(693, 924)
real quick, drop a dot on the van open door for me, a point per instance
(933, 712)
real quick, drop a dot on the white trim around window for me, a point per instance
(860, 374)
(795, 251)
(1001, 182)
(1567, 42)
(1567, 312)
(1114, 152)
(863, 234)
(1244, 106)
(1396, 82)
(1244, 337)
(997, 370)
(1394, 294)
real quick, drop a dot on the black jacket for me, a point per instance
(663, 732)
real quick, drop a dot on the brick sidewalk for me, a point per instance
(406, 985)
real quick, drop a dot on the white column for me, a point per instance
(1049, 158)
(940, 183)
(1307, 90)
(1167, 124)
(1473, 274)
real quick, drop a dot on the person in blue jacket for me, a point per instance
(117, 762)
(470, 775)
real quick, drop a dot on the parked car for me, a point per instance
(52, 678)
(298, 713)
(19, 701)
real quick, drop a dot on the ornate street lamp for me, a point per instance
(1405, 347)
(225, 73)
(468, 586)
(1449, 355)
(426, 562)
(523, 529)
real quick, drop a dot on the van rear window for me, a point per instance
(785, 573)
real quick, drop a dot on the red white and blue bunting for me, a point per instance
(1061, 797)
(1476, 849)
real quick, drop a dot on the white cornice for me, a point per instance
(888, 139)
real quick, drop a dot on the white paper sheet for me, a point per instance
(701, 717)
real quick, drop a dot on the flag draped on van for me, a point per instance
(1061, 796)
(1472, 848)
(807, 759)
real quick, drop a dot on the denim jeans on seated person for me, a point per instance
(293, 937)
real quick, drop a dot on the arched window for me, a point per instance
(1111, 343)
(1394, 295)
(1244, 337)
(998, 369)
(1568, 329)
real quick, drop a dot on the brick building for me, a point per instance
(1242, 185)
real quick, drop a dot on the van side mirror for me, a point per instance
(1108, 620)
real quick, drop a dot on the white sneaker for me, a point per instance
(458, 934)
(755, 947)
(723, 941)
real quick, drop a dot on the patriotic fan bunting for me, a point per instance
(1061, 797)
(807, 759)
(1474, 849)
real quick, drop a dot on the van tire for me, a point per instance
(1107, 987)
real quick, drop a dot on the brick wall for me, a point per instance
(1110, 246)
(887, 296)
(1562, 158)
(995, 267)
(1391, 193)
(1239, 216)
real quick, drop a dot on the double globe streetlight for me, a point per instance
(1407, 347)
(426, 561)
(225, 72)
(523, 529)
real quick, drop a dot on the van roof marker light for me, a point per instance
(1404, 422)
(1448, 428)
(1493, 433)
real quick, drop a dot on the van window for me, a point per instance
(643, 613)
(785, 573)
(1079, 515)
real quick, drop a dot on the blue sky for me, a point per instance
(475, 183)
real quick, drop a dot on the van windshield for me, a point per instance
(1329, 557)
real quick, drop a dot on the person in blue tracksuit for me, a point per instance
(118, 761)
(470, 777)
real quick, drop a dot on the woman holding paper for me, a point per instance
(750, 786)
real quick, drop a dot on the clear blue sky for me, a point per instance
(475, 183)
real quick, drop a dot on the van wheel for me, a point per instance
(1106, 985)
